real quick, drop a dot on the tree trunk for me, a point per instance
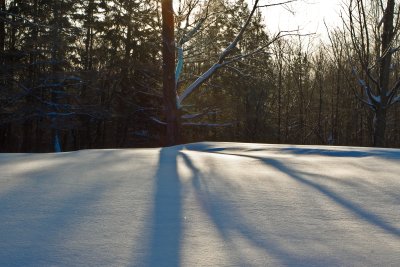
(169, 91)
(384, 74)
(379, 127)
(280, 98)
(56, 72)
(85, 135)
(28, 137)
(89, 36)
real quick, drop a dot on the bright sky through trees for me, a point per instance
(308, 15)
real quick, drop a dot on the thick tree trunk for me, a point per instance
(169, 91)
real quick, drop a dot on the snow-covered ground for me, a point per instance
(203, 204)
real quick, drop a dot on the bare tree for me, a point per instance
(172, 101)
(373, 27)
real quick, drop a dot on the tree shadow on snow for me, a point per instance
(230, 224)
(166, 228)
(344, 152)
(360, 212)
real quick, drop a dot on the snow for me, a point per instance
(202, 204)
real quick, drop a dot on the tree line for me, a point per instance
(89, 74)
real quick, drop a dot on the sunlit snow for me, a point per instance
(203, 204)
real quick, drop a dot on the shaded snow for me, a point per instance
(203, 204)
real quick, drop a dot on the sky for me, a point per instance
(308, 15)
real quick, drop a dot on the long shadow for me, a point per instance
(349, 183)
(35, 221)
(387, 153)
(227, 218)
(363, 214)
(351, 152)
(328, 152)
(166, 228)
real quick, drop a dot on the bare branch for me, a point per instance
(232, 45)
(158, 121)
(198, 115)
(199, 81)
(372, 100)
(228, 50)
(393, 98)
(278, 4)
(278, 36)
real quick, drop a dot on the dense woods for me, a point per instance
(89, 74)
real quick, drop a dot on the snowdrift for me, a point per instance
(203, 204)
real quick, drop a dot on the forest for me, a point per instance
(82, 74)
